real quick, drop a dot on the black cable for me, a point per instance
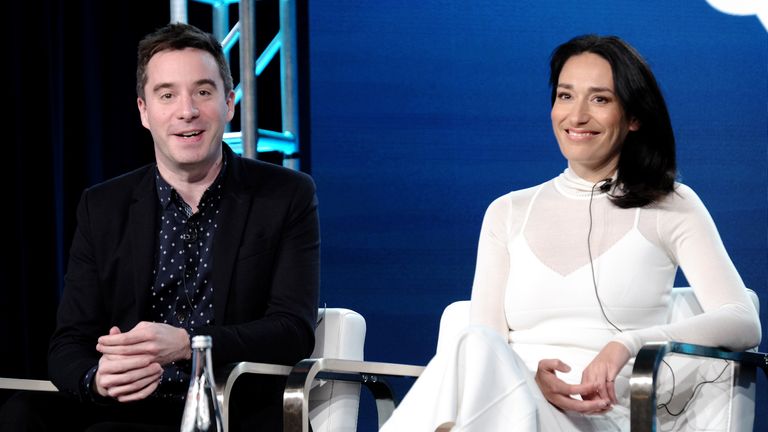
(665, 405)
(591, 263)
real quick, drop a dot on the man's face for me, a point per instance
(185, 108)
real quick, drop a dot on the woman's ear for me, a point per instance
(634, 124)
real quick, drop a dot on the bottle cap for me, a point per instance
(201, 341)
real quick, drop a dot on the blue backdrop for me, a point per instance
(424, 111)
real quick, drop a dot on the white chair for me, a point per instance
(299, 390)
(333, 406)
(726, 405)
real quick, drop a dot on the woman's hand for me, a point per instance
(560, 394)
(602, 371)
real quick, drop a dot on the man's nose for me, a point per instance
(188, 108)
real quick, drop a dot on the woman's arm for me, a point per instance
(729, 320)
(492, 269)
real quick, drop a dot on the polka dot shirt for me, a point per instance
(182, 292)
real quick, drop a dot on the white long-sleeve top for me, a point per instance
(533, 281)
(534, 286)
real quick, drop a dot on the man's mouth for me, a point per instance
(189, 134)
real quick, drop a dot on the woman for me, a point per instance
(573, 276)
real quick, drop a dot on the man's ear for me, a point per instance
(142, 105)
(230, 105)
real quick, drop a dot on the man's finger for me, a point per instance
(114, 382)
(130, 338)
(125, 350)
(122, 364)
(142, 394)
(138, 389)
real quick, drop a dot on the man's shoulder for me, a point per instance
(124, 184)
(256, 173)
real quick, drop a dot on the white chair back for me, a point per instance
(333, 405)
(728, 404)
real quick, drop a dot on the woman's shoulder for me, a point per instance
(505, 213)
(682, 211)
(682, 199)
(511, 207)
(516, 198)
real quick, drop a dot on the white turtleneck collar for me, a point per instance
(573, 186)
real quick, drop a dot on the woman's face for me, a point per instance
(587, 117)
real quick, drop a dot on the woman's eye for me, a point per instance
(563, 96)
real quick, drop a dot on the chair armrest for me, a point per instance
(372, 374)
(225, 378)
(27, 384)
(644, 374)
(227, 375)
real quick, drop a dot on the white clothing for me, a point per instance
(533, 286)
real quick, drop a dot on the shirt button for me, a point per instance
(182, 316)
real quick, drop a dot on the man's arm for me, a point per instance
(72, 350)
(285, 334)
(101, 280)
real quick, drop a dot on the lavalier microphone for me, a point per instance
(607, 185)
(190, 233)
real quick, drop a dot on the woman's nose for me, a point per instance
(579, 113)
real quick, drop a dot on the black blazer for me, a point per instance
(265, 259)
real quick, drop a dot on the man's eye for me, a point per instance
(166, 96)
(204, 93)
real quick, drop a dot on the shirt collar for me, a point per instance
(166, 194)
(570, 184)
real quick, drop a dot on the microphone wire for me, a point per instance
(605, 187)
(606, 182)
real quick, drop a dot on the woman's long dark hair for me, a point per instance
(646, 168)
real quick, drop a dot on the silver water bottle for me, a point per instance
(202, 412)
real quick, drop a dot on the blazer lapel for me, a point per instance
(235, 206)
(141, 232)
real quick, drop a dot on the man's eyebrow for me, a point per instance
(206, 81)
(161, 86)
(167, 85)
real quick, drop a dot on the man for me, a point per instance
(200, 242)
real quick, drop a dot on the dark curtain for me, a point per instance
(71, 121)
